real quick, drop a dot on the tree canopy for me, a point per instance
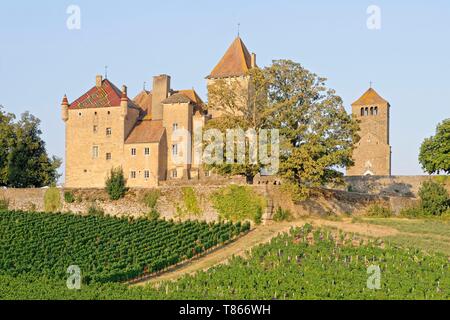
(24, 161)
(317, 136)
(434, 153)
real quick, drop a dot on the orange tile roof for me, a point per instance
(236, 61)
(146, 131)
(144, 101)
(369, 97)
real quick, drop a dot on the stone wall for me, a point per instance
(324, 202)
(396, 186)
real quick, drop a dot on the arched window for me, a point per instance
(366, 111)
(362, 112)
(375, 111)
(371, 111)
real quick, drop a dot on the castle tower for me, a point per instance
(232, 68)
(372, 155)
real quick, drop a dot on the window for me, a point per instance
(207, 174)
(108, 131)
(371, 111)
(133, 151)
(174, 149)
(362, 112)
(95, 152)
(366, 111)
(79, 114)
(147, 151)
(375, 111)
(174, 173)
(146, 174)
(108, 156)
(175, 126)
(133, 174)
(95, 129)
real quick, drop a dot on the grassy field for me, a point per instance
(431, 235)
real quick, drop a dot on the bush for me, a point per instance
(116, 184)
(282, 215)
(190, 204)
(150, 198)
(52, 200)
(413, 212)
(69, 197)
(4, 204)
(238, 203)
(434, 198)
(153, 214)
(95, 210)
(377, 210)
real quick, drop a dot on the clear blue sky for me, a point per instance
(408, 59)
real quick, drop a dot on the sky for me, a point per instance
(405, 52)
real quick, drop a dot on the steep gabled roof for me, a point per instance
(146, 131)
(236, 61)
(108, 95)
(369, 97)
(144, 101)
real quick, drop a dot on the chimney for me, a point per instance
(124, 101)
(253, 60)
(98, 81)
(160, 91)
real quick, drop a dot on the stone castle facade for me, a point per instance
(106, 129)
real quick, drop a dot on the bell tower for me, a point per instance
(372, 155)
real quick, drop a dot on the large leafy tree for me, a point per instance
(24, 159)
(317, 135)
(434, 153)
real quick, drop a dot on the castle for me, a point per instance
(105, 129)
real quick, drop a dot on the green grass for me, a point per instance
(431, 235)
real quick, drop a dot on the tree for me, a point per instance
(434, 153)
(24, 159)
(6, 142)
(116, 184)
(434, 198)
(317, 136)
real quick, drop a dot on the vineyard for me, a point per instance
(307, 263)
(106, 249)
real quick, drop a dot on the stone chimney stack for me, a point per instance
(65, 109)
(124, 102)
(253, 60)
(161, 89)
(98, 81)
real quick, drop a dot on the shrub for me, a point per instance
(238, 203)
(412, 212)
(282, 215)
(190, 204)
(95, 210)
(377, 210)
(150, 198)
(69, 197)
(153, 214)
(434, 198)
(116, 184)
(4, 204)
(52, 200)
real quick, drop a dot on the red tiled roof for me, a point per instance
(236, 61)
(108, 95)
(146, 131)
